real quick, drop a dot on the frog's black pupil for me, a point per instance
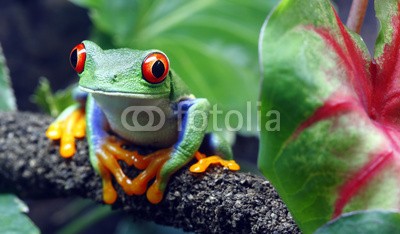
(74, 58)
(158, 69)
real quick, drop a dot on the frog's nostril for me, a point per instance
(114, 79)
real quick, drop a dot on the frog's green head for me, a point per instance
(121, 72)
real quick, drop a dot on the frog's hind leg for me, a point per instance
(189, 140)
(220, 151)
(111, 151)
(69, 125)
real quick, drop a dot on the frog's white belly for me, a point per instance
(142, 121)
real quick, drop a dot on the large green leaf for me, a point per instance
(364, 222)
(338, 145)
(212, 44)
(7, 99)
(12, 217)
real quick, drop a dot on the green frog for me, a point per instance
(132, 97)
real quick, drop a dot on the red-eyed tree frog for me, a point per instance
(132, 97)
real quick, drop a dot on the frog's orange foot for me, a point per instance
(66, 130)
(109, 154)
(204, 162)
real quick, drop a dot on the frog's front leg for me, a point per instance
(105, 150)
(193, 114)
(69, 125)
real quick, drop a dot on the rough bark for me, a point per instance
(218, 201)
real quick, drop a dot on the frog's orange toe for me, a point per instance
(232, 165)
(204, 163)
(80, 127)
(54, 131)
(109, 193)
(198, 168)
(67, 146)
(67, 150)
(154, 194)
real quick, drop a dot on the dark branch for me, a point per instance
(218, 201)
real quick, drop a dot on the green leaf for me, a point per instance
(127, 226)
(50, 103)
(364, 222)
(337, 147)
(12, 219)
(212, 44)
(385, 12)
(7, 99)
(90, 218)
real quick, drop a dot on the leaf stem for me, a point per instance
(356, 15)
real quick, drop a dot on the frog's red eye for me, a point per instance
(155, 67)
(77, 58)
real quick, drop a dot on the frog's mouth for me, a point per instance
(125, 94)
